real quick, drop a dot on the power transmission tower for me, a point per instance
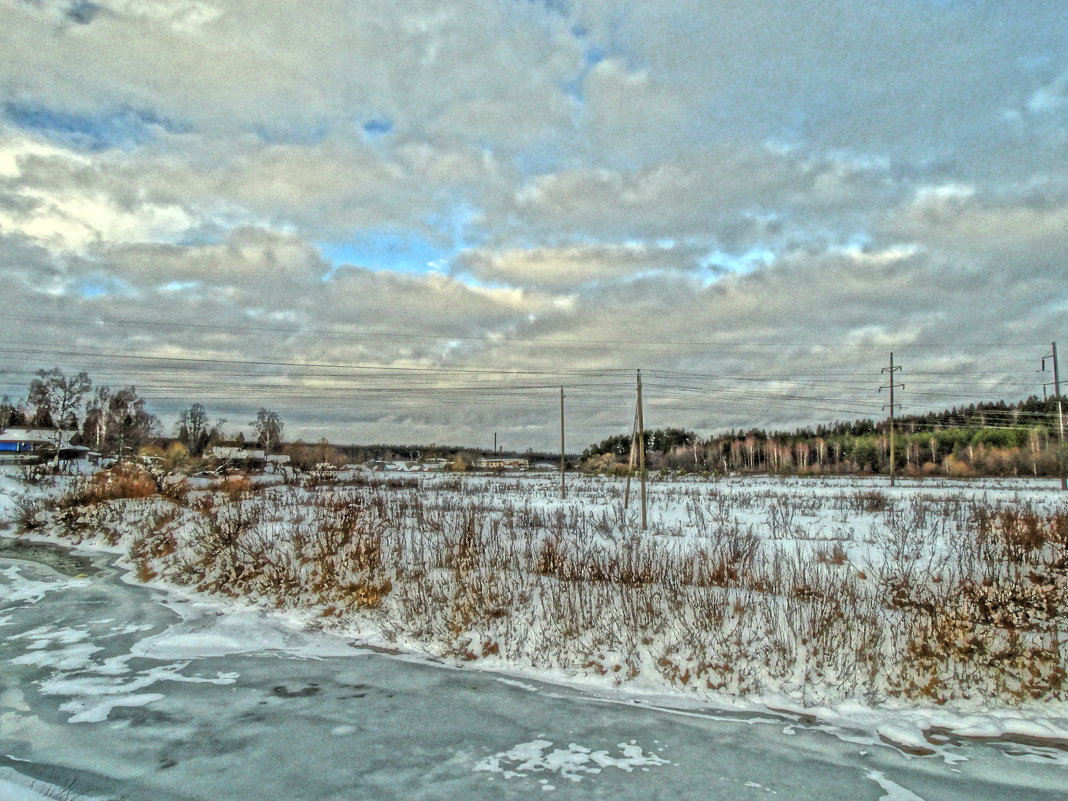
(1060, 415)
(890, 371)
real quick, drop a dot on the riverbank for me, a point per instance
(465, 573)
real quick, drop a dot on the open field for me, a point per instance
(818, 590)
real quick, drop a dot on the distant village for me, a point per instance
(39, 446)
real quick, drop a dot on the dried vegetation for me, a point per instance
(746, 588)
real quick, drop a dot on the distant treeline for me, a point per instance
(364, 453)
(999, 439)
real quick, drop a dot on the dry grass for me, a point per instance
(962, 598)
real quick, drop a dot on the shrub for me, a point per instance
(237, 486)
(24, 514)
(124, 480)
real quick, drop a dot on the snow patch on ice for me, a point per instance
(205, 632)
(894, 791)
(908, 736)
(70, 658)
(570, 763)
(17, 587)
(98, 713)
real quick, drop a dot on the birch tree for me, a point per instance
(58, 398)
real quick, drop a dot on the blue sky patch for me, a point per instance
(386, 250)
(378, 126)
(99, 286)
(124, 128)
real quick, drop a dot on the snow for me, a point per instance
(909, 736)
(894, 791)
(84, 712)
(23, 589)
(207, 641)
(16, 787)
(569, 763)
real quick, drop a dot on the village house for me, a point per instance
(502, 463)
(35, 445)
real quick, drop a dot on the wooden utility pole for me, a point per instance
(563, 486)
(631, 458)
(891, 370)
(641, 450)
(1060, 415)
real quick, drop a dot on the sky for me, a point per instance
(414, 222)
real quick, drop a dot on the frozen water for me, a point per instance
(128, 691)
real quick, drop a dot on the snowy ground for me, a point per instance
(88, 682)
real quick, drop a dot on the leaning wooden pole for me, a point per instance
(631, 458)
(1060, 419)
(641, 452)
(563, 463)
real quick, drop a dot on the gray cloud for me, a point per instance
(567, 268)
(711, 187)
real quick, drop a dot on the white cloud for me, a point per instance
(565, 268)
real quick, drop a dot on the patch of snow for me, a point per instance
(98, 713)
(570, 763)
(894, 791)
(19, 588)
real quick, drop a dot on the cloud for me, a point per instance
(264, 263)
(567, 268)
(866, 177)
(737, 195)
(1015, 229)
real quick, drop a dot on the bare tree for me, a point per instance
(118, 421)
(268, 428)
(57, 398)
(194, 431)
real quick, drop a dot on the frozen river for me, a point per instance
(128, 692)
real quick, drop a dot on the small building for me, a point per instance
(503, 463)
(277, 462)
(35, 445)
(238, 457)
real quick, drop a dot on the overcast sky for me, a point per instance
(252, 204)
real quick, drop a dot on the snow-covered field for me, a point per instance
(921, 613)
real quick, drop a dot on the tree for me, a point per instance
(57, 398)
(194, 431)
(97, 420)
(10, 415)
(131, 425)
(268, 428)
